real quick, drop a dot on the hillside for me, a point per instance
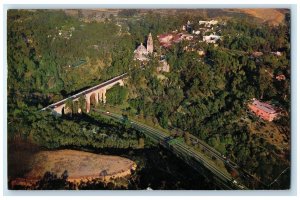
(268, 15)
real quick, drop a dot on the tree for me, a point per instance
(187, 138)
(141, 143)
(69, 106)
(116, 95)
(50, 181)
(163, 119)
(82, 104)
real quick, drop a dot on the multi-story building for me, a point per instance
(263, 110)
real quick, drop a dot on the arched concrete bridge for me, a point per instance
(97, 93)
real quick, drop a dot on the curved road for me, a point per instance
(185, 152)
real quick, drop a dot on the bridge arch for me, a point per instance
(63, 110)
(91, 95)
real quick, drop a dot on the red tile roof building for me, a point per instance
(263, 110)
(280, 77)
(166, 40)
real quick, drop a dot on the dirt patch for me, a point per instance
(271, 16)
(80, 166)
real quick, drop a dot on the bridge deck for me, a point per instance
(86, 91)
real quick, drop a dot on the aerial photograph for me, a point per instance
(149, 99)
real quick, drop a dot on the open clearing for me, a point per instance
(79, 165)
(271, 16)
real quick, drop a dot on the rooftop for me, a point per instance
(264, 106)
(167, 39)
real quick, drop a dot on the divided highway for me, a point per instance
(192, 157)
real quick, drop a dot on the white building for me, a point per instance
(211, 38)
(208, 23)
(277, 53)
(186, 37)
(163, 66)
(141, 51)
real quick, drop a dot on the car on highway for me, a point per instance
(241, 186)
(167, 139)
(194, 142)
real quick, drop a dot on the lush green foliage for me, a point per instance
(43, 44)
(204, 96)
(79, 131)
(207, 96)
(116, 95)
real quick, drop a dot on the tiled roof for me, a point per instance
(168, 39)
(264, 106)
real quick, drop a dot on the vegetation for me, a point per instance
(116, 95)
(202, 96)
(207, 96)
(35, 54)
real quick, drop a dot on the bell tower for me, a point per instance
(150, 44)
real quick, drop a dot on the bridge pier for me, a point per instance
(98, 91)
(96, 98)
(103, 96)
(99, 95)
(88, 103)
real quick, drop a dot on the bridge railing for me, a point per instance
(83, 92)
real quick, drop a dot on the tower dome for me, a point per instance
(141, 49)
(140, 53)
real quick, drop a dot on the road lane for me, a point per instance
(185, 151)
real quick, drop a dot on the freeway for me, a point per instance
(188, 154)
(214, 152)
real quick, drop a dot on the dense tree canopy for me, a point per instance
(116, 95)
(204, 96)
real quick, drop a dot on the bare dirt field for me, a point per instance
(80, 166)
(271, 16)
